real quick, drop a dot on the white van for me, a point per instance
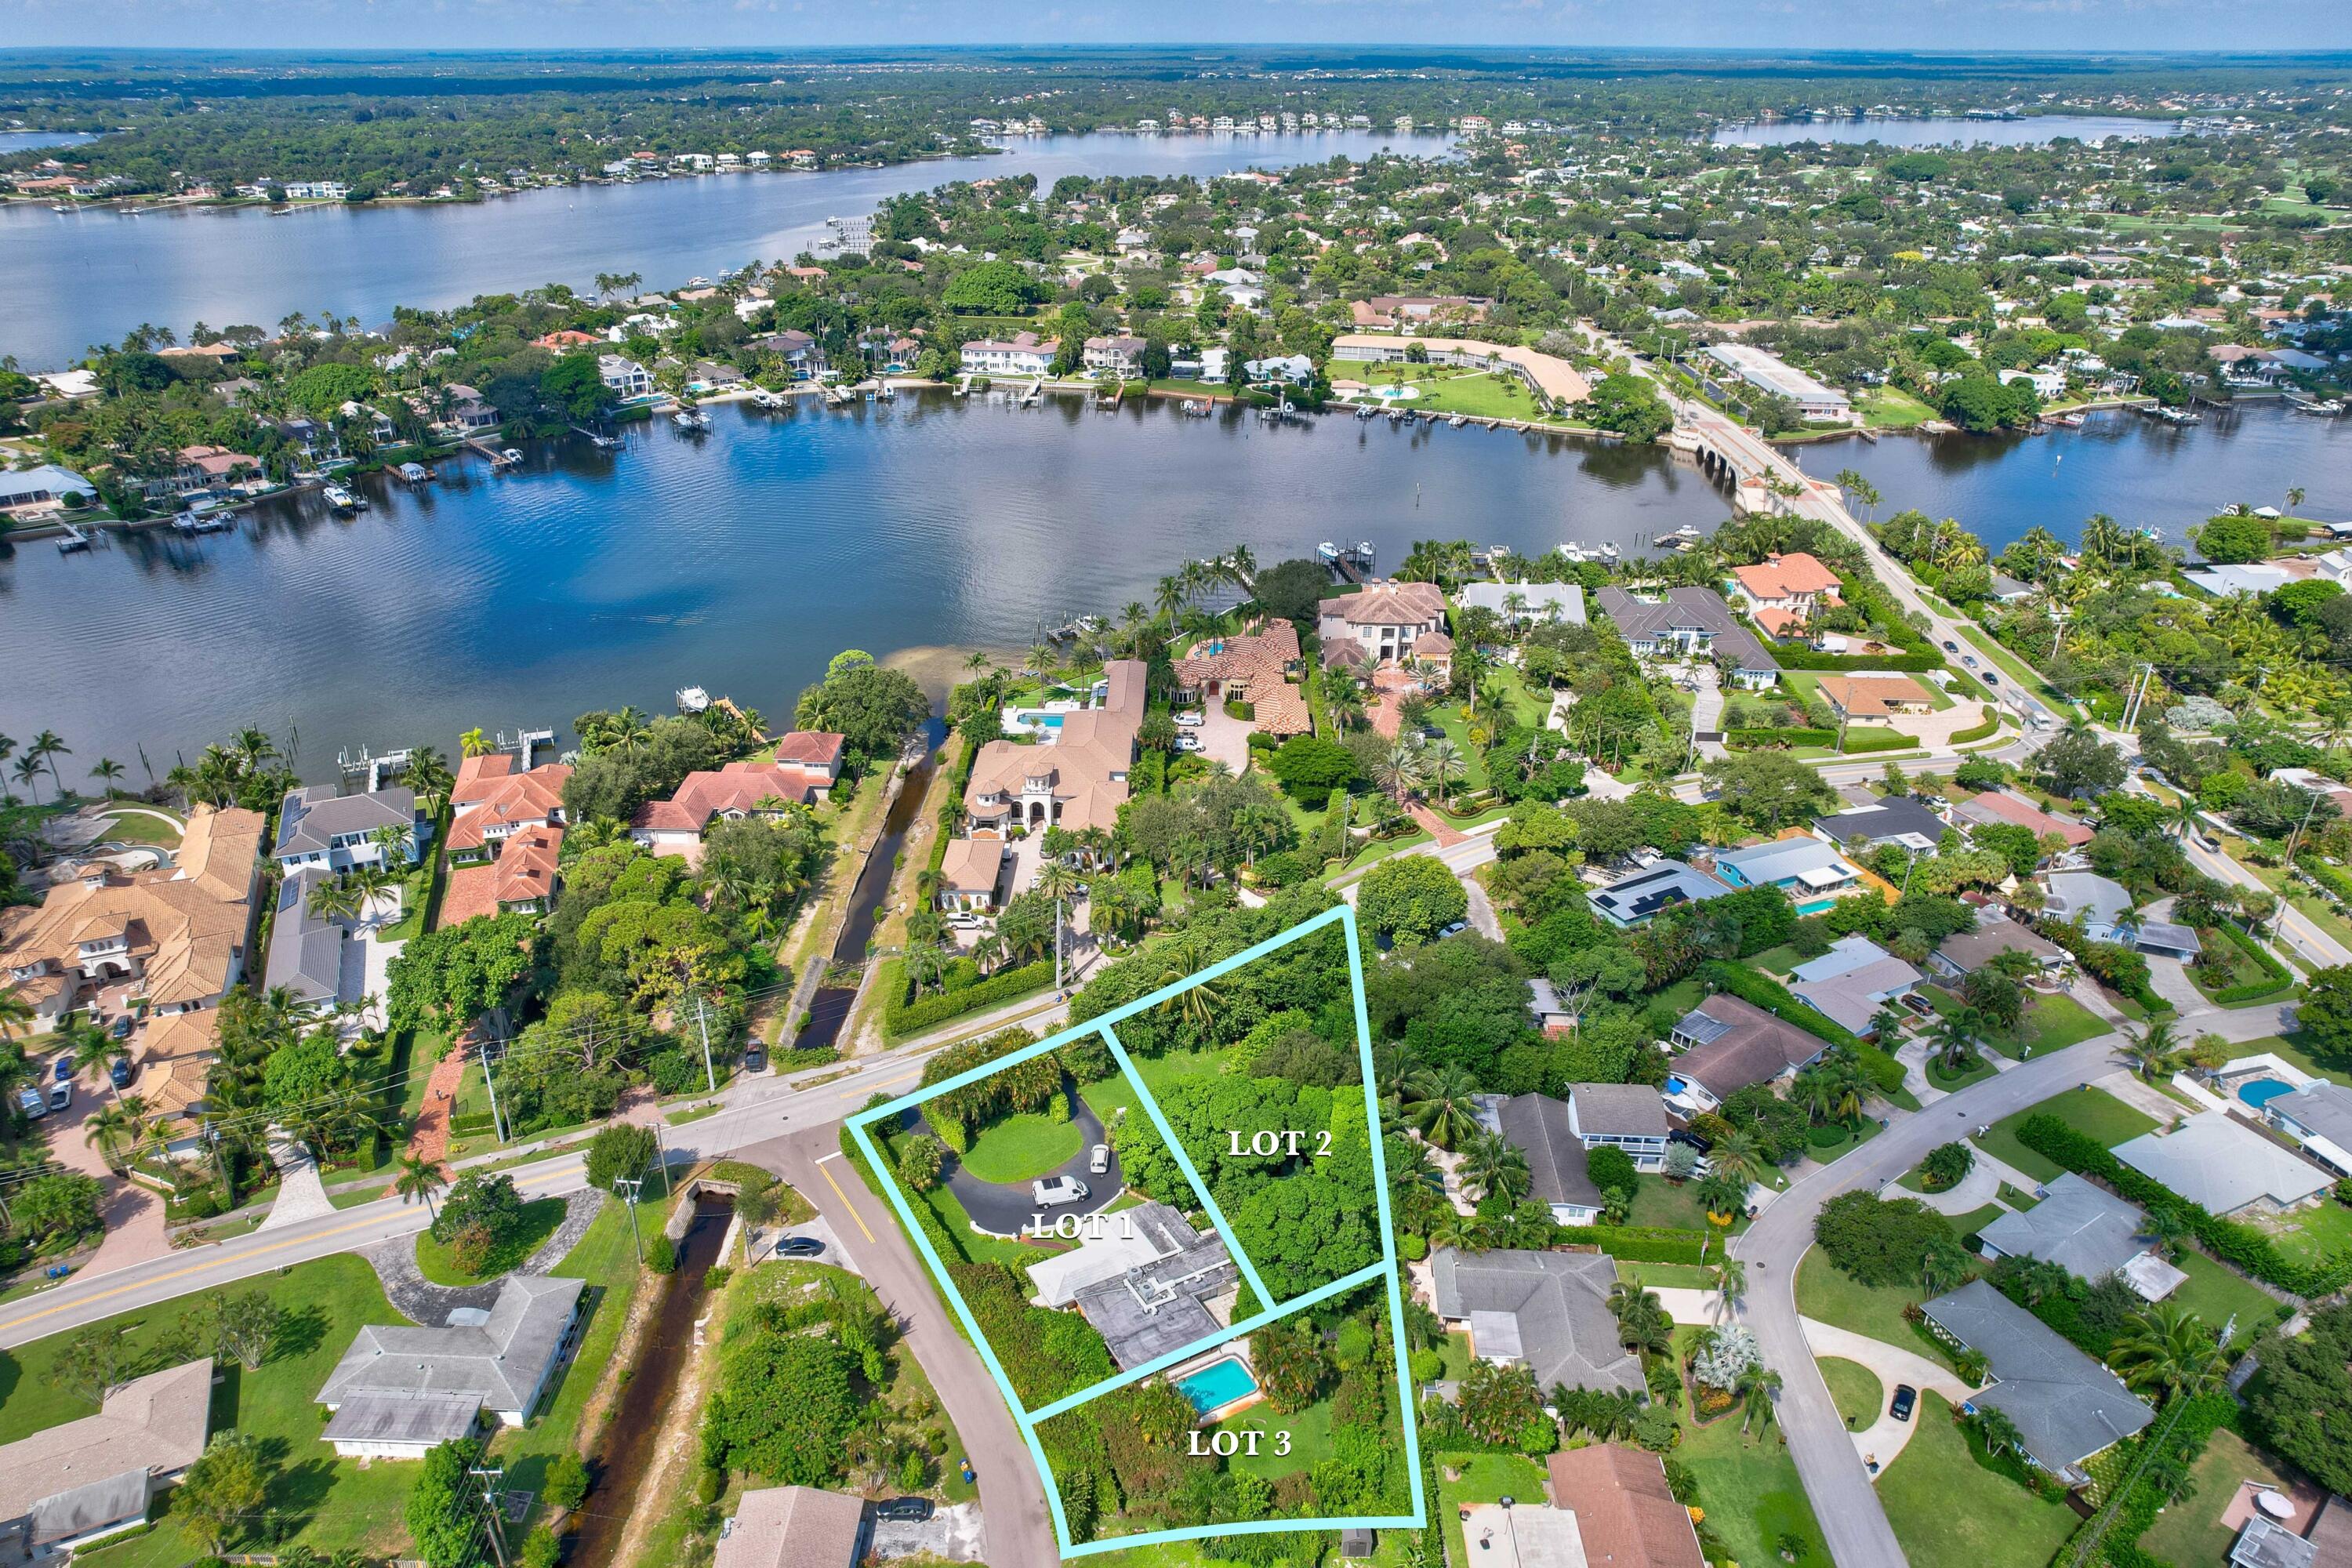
(1051, 1191)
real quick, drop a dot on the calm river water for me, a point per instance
(741, 562)
(1907, 131)
(71, 280)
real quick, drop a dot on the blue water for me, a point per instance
(2261, 1091)
(1218, 1384)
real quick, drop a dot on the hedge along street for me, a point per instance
(1027, 1419)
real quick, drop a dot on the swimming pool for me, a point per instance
(1217, 1385)
(2259, 1092)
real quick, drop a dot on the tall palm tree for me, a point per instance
(392, 841)
(474, 743)
(1196, 1004)
(1954, 1038)
(1442, 766)
(335, 899)
(93, 1049)
(1757, 1388)
(428, 775)
(2153, 1054)
(1494, 1165)
(420, 1178)
(1399, 769)
(253, 748)
(1441, 1102)
(1943, 1266)
(117, 1131)
(28, 774)
(1057, 882)
(1738, 1154)
(2169, 1349)
(1730, 1286)
(48, 746)
(15, 1013)
(107, 771)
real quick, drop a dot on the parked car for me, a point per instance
(122, 1027)
(62, 1069)
(798, 1246)
(1456, 929)
(61, 1097)
(1188, 742)
(1433, 731)
(118, 1072)
(965, 920)
(903, 1510)
(30, 1102)
(1099, 1161)
(755, 1057)
(1191, 719)
(1906, 1396)
(1051, 1191)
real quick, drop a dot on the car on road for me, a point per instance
(61, 1097)
(1989, 678)
(1970, 660)
(1191, 719)
(798, 1246)
(903, 1510)
(1188, 742)
(1905, 1397)
(1051, 1191)
(1951, 646)
(1099, 1162)
(2207, 841)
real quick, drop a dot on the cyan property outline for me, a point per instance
(1344, 916)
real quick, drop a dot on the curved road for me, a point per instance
(1853, 1524)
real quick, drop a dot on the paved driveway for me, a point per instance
(1223, 739)
(1005, 1208)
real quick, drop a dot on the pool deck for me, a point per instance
(1232, 1407)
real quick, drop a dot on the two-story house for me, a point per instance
(1121, 355)
(1025, 353)
(316, 826)
(624, 375)
(1077, 778)
(1690, 622)
(1627, 1116)
(1385, 620)
(1784, 592)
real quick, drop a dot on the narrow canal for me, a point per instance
(829, 1009)
(625, 1453)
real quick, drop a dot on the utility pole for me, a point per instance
(490, 1479)
(661, 1154)
(626, 1188)
(703, 1022)
(498, 1122)
(2058, 629)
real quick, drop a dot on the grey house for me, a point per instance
(400, 1389)
(1160, 1303)
(71, 1485)
(1546, 1310)
(1635, 900)
(1539, 1127)
(1691, 621)
(2087, 1231)
(2067, 1406)
(306, 951)
(1897, 819)
(2319, 1117)
(335, 832)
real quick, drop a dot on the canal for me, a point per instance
(829, 1008)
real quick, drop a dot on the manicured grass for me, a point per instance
(1891, 408)
(1965, 1225)
(2091, 1110)
(1483, 1478)
(140, 828)
(1775, 960)
(1667, 1276)
(2012, 669)
(2295, 1049)
(1977, 1071)
(2019, 1201)
(1949, 1511)
(1311, 1438)
(331, 1502)
(1854, 1389)
(537, 1222)
(2189, 1530)
(1748, 1485)
(2050, 1022)
(1021, 1147)
(2216, 1294)
(2310, 1234)
(1826, 1293)
(1848, 1139)
(1657, 1201)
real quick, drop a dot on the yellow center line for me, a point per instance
(868, 1088)
(845, 1200)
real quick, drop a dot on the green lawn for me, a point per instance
(2216, 1294)
(1848, 1139)
(1776, 960)
(1977, 1071)
(1949, 1511)
(1483, 1478)
(2015, 670)
(1891, 408)
(332, 1503)
(2295, 1049)
(2017, 1199)
(2189, 1532)
(1021, 1147)
(2091, 1110)
(2310, 1234)
(1668, 1276)
(1965, 1225)
(1311, 1438)
(1748, 1486)
(537, 1221)
(2050, 1022)
(1827, 1293)
(1854, 1389)
(139, 827)
(1657, 1201)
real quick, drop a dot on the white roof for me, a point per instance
(1845, 955)
(2219, 1162)
(1783, 859)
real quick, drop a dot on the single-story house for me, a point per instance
(1626, 1516)
(1632, 899)
(972, 875)
(1546, 1310)
(794, 1527)
(1727, 1044)
(1899, 819)
(1627, 1116)
(316, 826)
(1805, 869)
(1552, 1015)
(1152, 1231)
(2214, 1160)
(1160, 1304)
(2326, 1543)
(1534, 602)
(2087, 1231)
(80, 1481)
(2065, 1405)
(2098, 904)
(1538, 1127)
(1999, 805)
(1962, 954)
(739, 789)
(2319, 1117)
(1875, 696)
(1852, 982)
(401, 1389)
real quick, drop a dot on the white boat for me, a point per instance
(511, 457)
(766, 399)
(1458, 421)
(1611, 550)
(340, 498)
(692, 699)
(690, 419)
(2329, 406)
(1573, 550)
(414, 473)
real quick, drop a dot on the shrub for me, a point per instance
(1645, 1244)
(1879, 1242)
(1861, 741)
(623, 1149)
(902, 1017)
(1612, 1168)
(661, 1255)
(1948, 1164)
(1977, 732)
(921, 1161)
(567, 1481)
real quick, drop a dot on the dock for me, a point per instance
(1349, 563)
(364, 764)
(526, 743)
(500, 458)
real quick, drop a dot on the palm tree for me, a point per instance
(2169, 1349)
(428, 775)
(107, 771)
(1397, 769)
(254, 747)
(1738, 1154)
(1441, 1102)
(1954, 1038)
(113, 1129)
(15, 1013)
(1494, 1165)
(474, 743)
(391, 843)
(1721, 1192)
(420, 1178)
(1196, 1004)
(93, 1049)
(1943, 1266)
(2153, 1054)
(1730, 1286)
(2167, 1228)
(1442, 766)
(1057, 882)
(48, 746)
(1999, 1432)
(1757, 1388)
(28, 772)
(335, 899)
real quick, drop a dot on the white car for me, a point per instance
(1099, 1161)
(966, 922)
(1051, 1191)
(1191, 719)
(1189, 743)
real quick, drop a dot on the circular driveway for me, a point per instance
(1005, 1208)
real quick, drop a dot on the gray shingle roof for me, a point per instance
(306, 950)
(2085, 1229)
(1538, 1126)
(1746, 1045)
(1969, 950)
(1626, 1109)
(395, 1417)
(499, 1362)
(2322, 1108)
(1638, 620)
(1896, 817)
(2067, 1406)
(311, 817)
(1557, 1302)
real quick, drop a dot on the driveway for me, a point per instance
(1005, 1208)
(1011, 1495)
(950, 1535)
(1884, 1438)
(1223, 739)
(134, 1214)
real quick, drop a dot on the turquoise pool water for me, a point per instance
(1218, 1384)
(1816, 906)
(2259, 1092)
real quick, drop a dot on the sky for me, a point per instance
(2006, 25)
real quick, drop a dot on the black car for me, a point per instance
(903, 1510)
(1433, 733)
(123, 1027)
(799, 1246)
(1951, 646)
(1906, 1396)
(118, 1071)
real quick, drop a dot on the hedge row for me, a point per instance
(2331, 878)
(1750, 739)
(2252, 989)
(1858, 742)
(1977, 732)
(2239, 1245)
(2187, 1429)
(1646, 1243)
(901, 1017)
(1768, 994)
(1806, 658)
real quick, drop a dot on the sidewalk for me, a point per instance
(430, 1139)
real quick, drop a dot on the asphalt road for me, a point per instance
(1844, 1501)
(1005, 1208)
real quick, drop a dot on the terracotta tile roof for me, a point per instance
(1871, 696)
(1777, 623)
(515, 801)
(1086, 764)
(478, 776)
(471, 891)
(1998, 806)
(736, 788)
(1254, 665)
(1786, 576)
(1623, 1509)
(810, 748)
(526, 866)
(972, 864)
(1388, 604)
